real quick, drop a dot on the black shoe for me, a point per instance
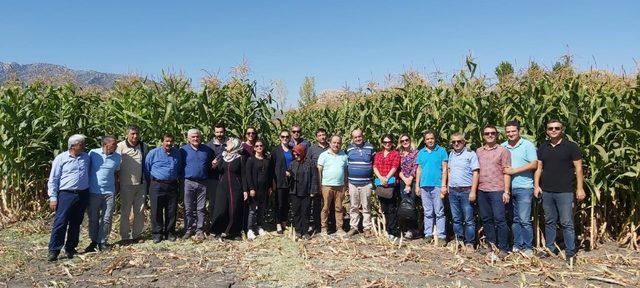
(53, 256)
(103, 247)
(71, 252)
(171, 237)
(187, 235)
(157, 239)
(544, 254)
(571, 261)
(428, 239)
(93, 247)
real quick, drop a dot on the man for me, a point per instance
(103, 173)
(68, 196)
(523, 162)
(559, 174)
(217, 144)
(431, 186)
(296, 133)
(332, 170)
(197, 161)
(360, 167)
(250, 137)
(131, 184)
(494, 185)
(162, 170)
(463, 184)
(313, 154)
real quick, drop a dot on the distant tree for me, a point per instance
(504, 70)
(308, 94)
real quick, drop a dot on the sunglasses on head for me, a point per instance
(556, 128)
(490, 133)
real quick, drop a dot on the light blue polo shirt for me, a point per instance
(522, 154)
(461, 167)
(102, 171)
(333, 166)
(431, 166)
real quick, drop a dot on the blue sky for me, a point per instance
(338, 42)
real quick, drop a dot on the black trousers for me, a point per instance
(163, 197)
(390, 211)
(301, 208)
(282, 208)
(316, 210)
(212, 187)
(257, 206)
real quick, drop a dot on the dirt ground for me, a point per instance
(276, 260)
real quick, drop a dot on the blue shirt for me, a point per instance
(360, 163)
(523, 153)
(431, 166)
(162, 166)
(333, 166)
(102, 179)
(288, 158)
(461, 167)
(196, 163)
(68, 173)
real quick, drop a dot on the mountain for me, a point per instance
(56, 73)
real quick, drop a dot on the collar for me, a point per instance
(323, 147)
(216, 142)
(562, 142)
(506, 144)
(489, 149)
(126, 142)
(435, 148)
(459, 153)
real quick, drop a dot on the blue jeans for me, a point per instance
(100, 212)
(69, 214)
(433, 211)
(559, 207)
(494, 221)
(464, 226)
(520, 205)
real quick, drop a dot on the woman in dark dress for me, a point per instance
(259, 185)
(281, 158)
(302, 174)
(228, 210)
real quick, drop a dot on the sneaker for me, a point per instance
(93, 247)
(543, 254)
(323, 232)
(71, 252)
(392, 238)
(199, 236)
(102, 247)
(156, 239)
(493, 257)
(442, 242)
(171, 237)
(306, 237)
(261, 231)
(571, 261)
(187, 235)
(341, 233)
(469, 247)
(53, 256)
(279, 229)
(515, 249)
(408, 235)
(251, 235)
(503, 255)
(428, 239)
(527, 253)
(352, 232)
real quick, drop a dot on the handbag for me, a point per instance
(384, 192)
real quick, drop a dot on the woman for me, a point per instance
(407, 174)
(385, 166)
(259, 186)
(227, 213)
(302, 175)
(281, 158)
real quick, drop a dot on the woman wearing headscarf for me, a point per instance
(228, 211)
(302, 175)
(281, 159)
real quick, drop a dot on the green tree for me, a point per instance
(308, 94)
(504, 70)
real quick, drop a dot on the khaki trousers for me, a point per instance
(332, 195)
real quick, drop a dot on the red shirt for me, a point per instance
(385, 164)
(492, 162)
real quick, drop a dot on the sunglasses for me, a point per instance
(490, 133)
(386, 142)
(284, 136)
(260, 145)
(404, 140)
(251, 133)
(296, 131)
(456, 141)
(554, 128)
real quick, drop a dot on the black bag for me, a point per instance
(384, 192)
(407, 212)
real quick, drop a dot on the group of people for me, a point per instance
(236, 178)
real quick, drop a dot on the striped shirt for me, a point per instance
(360, 160)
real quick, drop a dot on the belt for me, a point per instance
(460, 189)
(75, 191)
(163, 181)
(196, 180)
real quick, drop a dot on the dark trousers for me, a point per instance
(494, 220)
(390, 210)
(301, 208)
(163, 198)
(316, 211)
(282, 205)
(69, 215)
(212, 187)
(558, 209)
(257, 206)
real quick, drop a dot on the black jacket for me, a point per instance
(278, 164)
(302, 176)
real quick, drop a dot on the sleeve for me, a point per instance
(444, 155)
(321, 159)
(54, 179)
(539, 152)
(532, 154)
(396, 161)
(249, 174)
(575, 152)
(147, 166)
(506, 158)
(418, 159)
(314, 180)
(182, 162)
(243, 175)
(118, 162)
(475, 165)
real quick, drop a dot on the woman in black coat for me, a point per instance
(259, 181)
(227, 215)
(281, 158)
(302, 175)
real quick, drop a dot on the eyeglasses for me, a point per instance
(552, 128)
(251, 133)
(386, 142)
(257, 146)
(296, 131)
(457, 141)
(284, 136)
(404, 140)
(490, 133)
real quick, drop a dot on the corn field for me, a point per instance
(600, 111)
